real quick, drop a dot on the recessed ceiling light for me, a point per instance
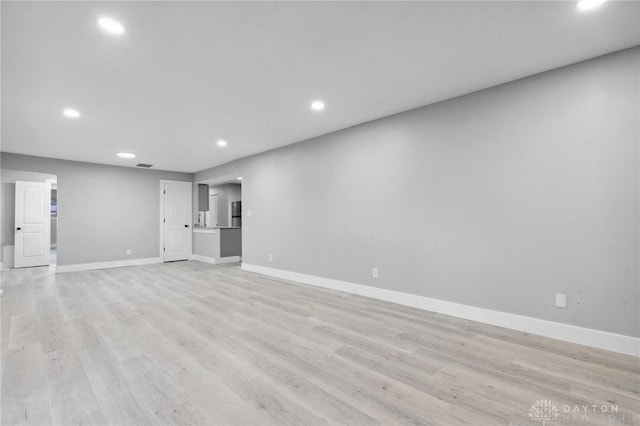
(589, 4)
(240, 178)
(222, 142)
(317, 105)
(127, 155)
(111, 26)
(71, 113)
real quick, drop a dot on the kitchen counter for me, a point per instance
(210, 229)
(217, 244)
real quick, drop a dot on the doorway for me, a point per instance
(54, 223)
(217, 237)
(175, 220)
(29, 219)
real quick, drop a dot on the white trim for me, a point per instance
(107, 265)
(205, 230)
(215, 260)
(205, 259)
(161, 220)
(161, 216)
(555, 330)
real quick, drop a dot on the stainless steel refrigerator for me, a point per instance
(236, 213)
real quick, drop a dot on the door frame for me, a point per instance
(161, 216)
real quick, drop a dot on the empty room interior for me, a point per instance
(320, 213)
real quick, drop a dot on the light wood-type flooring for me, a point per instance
(189, 343)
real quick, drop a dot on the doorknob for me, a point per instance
(186, 226)
(18, 229)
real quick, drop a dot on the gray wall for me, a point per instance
(496, 199)
(102, 210)
(234, 193)
(54, 230)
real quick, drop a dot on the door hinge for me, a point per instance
(164, 220)
(164, 192)
(164, 249)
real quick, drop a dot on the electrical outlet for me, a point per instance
(561, 300)
(270, 258)
(374, 272)
(128, 252)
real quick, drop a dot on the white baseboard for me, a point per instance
(107, 265)
(555, 330)
(216, 260)
(205, 259)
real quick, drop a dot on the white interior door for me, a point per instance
(33, 224)
(177, 220)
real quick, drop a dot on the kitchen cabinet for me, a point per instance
(203, 197)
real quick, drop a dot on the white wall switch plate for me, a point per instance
(248, 212)
(128, 252)
(561, 300)
(374, 272)
(270, 258)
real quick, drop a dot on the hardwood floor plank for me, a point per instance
(200, 344)
(115, 398)
(298, 387)
(118, 404)
(25, 400)
(51, 324)
(375, 394)
(160, 395)
(23, 330)
(176, 348)
(71, 397)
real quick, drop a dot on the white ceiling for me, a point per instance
(187, 74)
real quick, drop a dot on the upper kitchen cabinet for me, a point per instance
(203, 197)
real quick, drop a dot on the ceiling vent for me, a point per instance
(146, 166)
